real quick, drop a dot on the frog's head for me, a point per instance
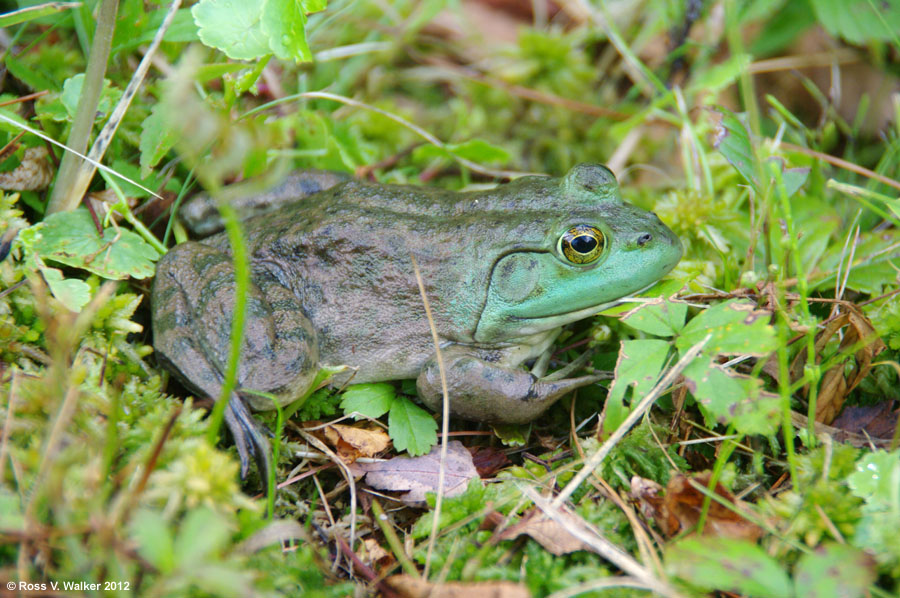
(589, 248)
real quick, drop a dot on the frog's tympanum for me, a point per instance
(333, 283)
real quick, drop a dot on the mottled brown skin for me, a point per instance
(333, 284)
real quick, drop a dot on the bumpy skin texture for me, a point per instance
(334, 284)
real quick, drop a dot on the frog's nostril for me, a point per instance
(644, 239)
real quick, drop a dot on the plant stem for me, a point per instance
(60, 199)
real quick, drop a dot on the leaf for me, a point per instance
(834, 571)
(33, 12)
(678, 509)
(70, 238)
(71, 92)
(658, 317)
(369, 400)
(154, 542)
(877, 479)
(479, 150)
(418, 475)
(727, 397)
(74, 294)
(854, 330)
(638, 366)
(728, 564)
(353, 442)
(857, 20)
(157, 138)
(411, 428)
(233, 26)
(202, 533)
(283, 21)
(547, 532)
(737, 328)
(733, 141)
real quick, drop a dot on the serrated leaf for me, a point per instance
(154, 542)
(733, 141)
(737, 328)
(157, 138)
(233, 26)
(202, 533)
(727, 564)
(370, 400)
(727, 397)
(834, 571)
(74, 294)
(411, 428)
(70, 238)
(658, 317)
(638, 366)
(284, 22)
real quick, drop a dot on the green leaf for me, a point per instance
(877, 479)
(151, 533)
(33, 12)
(737, 328)
(733, 140)
(109, 96)
(411, 428)
(834, 571)
(369, 400)
(284, 22)
(74, 294)
(638, 366)
(12, 516)
(70, 238)
(202, 533)
(511, 434)
(233, 26)
(727, 397)
(157, 138)
(658, 317)
(479, 150)
(727, 564)
(858, 21)
(716, 78)
(29, 76)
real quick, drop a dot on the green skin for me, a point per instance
(333, 284)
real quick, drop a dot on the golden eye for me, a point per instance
(582, 244)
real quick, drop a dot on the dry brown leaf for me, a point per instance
(679, 508)
(877, 421)
(352, 442)
(33, 174)
(547, 532)
(412, 587)
(488, 460)
(418, 475)
(837, 383)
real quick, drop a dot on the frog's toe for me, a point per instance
(249, 439)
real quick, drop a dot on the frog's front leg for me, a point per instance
(192, 305)
(483, 391)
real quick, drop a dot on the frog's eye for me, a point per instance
(582, 244)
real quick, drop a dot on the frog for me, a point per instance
(333, 283)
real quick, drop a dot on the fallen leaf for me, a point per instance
(352, 442)
(488, 460)
(679, 508)
(34, 173)
(877, 421)
(411, 587)
(547, 532)
(838, 382)
(418, 475)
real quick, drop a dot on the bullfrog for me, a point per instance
(333, 284)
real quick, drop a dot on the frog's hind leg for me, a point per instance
(192, 305)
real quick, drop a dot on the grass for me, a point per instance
(109, 473)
